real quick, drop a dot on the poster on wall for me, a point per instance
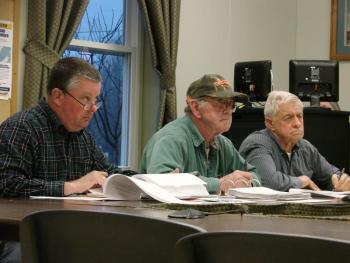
(6, 33)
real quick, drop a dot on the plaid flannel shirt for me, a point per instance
(37, 154)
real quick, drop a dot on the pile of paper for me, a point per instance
(323, 194)
(266, 194)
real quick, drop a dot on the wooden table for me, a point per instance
(12, 211)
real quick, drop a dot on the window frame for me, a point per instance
(131, 141)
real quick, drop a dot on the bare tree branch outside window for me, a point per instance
(106, 126)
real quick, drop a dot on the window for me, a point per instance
(108, 38)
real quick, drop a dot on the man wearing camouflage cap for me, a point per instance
(194, 143)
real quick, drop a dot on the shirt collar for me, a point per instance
(52, 117)
(197, 137)
(295, 148)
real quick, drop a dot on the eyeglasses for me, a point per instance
(220, 104)
(86, 106)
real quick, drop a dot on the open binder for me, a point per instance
(167, 188)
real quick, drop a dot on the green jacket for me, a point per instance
(180, 145)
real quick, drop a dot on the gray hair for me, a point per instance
(188, 110)
(68, 72)
(276, 98)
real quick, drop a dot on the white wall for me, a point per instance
(264, 30)
(216, 34)
(204, 43)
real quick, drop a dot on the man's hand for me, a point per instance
(84, 183)
(234, 180)
(308, 183)
(342, 183)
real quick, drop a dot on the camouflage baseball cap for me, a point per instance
(213, 85)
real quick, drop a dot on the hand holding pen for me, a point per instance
(341, 182)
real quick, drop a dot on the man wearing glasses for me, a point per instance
(194, 142)
(45, 150)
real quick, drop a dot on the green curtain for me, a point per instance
(51, 26)
(162, 26)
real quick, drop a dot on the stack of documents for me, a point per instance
(265, 193)
(323, 194)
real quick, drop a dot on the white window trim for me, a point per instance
(133, 39)
(92, 46)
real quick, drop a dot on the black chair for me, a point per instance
(85, 236)
(244, 247)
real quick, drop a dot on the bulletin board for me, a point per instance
(10, 11)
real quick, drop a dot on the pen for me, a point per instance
(341, 173)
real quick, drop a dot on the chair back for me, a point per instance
(249, 247)
(86, 236)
